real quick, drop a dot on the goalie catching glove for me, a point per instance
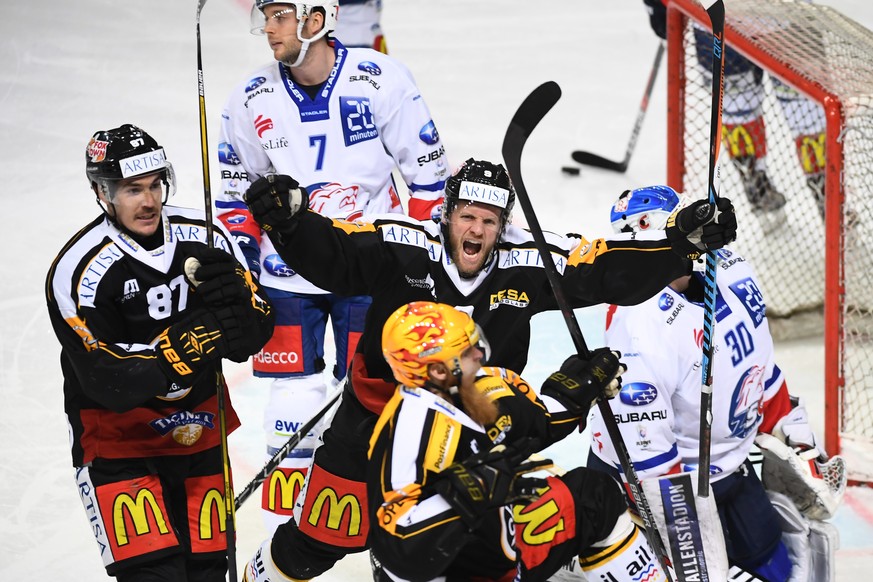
(490, 479)
(701, 227)
(275, 200)
(580, 382)
(796, 466)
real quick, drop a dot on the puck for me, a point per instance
(570, 170)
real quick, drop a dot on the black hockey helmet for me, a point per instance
(483, 182)
(125, 152)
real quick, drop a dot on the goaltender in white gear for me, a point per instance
(658, 410)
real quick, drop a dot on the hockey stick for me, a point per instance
(221, 404)
(532, 110)
(716, 17)
(735, 574)
(590, 159)
(289, 445)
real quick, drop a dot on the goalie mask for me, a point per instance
(299, 12)
(643, 209)
(122, 153)
(422, 333)
(483, 182)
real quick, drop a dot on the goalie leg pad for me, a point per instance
(811, 544)
(689, 526)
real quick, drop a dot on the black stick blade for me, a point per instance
(527, 117)
(591, 159)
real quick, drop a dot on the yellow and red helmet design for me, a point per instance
(422, 333)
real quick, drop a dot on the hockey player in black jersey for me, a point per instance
(473, 258)
(144, 311)
(448, 494)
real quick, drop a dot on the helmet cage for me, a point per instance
(643, 209)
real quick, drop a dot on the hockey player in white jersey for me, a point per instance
(745, 129)
(340, 121)
(658, 409)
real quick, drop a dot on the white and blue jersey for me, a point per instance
(366, 120)
(658, 408)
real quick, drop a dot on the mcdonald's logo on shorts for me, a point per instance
(207, 513)
(542, 524)
(212, 514)
(335, 509)
(740, 141)
(137, 517)
(811, 151)
(281, 490)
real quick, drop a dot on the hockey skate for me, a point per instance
(816, 183)
(760, 192)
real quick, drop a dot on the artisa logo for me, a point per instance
(143, 163)
(484, 193)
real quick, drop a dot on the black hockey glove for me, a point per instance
(490, 479)
(579, 382)
(217, 277)
(184, 348)
(699, 227)
(275, 200)
(657, 17)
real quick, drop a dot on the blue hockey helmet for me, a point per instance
(642, 209)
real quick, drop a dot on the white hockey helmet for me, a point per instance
(643, 209)
(302, 11)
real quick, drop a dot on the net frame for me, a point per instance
(840, 80)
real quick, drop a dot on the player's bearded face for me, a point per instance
(473, 232)
(136, 204)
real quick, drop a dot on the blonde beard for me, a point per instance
(478, 406)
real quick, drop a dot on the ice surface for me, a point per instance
(68, 68)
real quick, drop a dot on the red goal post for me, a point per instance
(814, 259)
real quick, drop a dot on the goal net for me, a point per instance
(797, 161)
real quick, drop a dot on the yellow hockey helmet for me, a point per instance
(422, 333)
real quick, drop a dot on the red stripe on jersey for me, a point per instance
(775, 409)
(148, 432)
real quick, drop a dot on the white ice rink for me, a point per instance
(70, 67)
